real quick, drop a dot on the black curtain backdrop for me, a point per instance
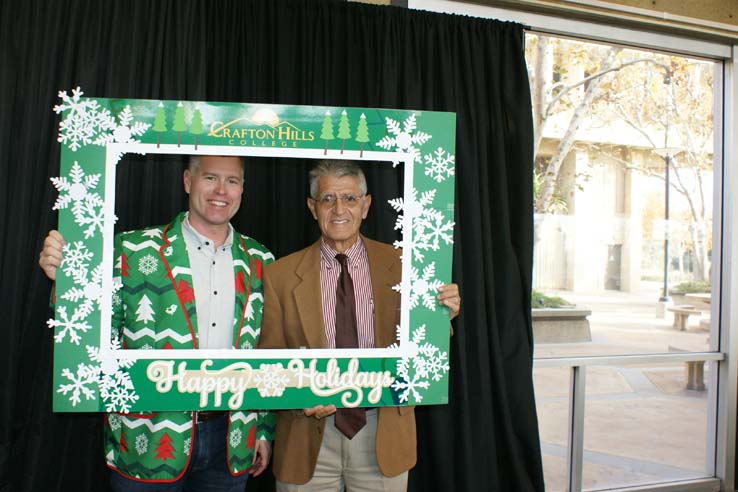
(285, 52)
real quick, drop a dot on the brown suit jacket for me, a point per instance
(293, 318)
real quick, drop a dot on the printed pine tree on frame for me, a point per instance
(362, 134)
(344, 130)
(160, 123)
(326, 132)
(196, 128)
(179, 125)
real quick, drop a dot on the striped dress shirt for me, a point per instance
(330, 269)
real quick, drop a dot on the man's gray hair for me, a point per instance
(338, 169)
(194, 163)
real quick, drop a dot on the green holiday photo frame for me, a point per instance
(92, 372)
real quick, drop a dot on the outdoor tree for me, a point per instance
(160, 123)
(326, 132)
(179, 125)
(577, 88)
(196, 128)
(362, 134)
(672, 110)
(344, 130)
(568, 96)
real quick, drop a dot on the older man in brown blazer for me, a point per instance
(319, 449)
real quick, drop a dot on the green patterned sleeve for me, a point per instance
(119, 264)
(266, 423)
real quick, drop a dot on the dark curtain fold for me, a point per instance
(284, 52)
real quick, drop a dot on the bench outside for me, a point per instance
(681, 315)
(561, 325)
(694, 370)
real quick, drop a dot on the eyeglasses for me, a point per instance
(330, 200)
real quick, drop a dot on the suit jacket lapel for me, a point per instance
(386, 301)
(242, 273)
(177, 263)
(308, 297)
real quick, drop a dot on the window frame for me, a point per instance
(724, 344)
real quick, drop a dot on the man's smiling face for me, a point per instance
(215, 188)
(339, 220)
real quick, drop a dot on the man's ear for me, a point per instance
(311, 205)
(365, 208)
(187, 180)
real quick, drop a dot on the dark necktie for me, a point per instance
(348, 420)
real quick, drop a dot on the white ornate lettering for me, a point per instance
(331, 382)
(234, 379)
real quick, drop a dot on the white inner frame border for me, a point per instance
(111, 161)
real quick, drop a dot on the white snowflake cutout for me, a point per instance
(79, 190)
(434, 228)
(404, 138)
(81, 383)
(429, 225)
(74, 326)
(423, 362)
(87, 291)
(415, 207)
(439, 165)
(114, 381)
(271, 380)
(423, 288)
(86, 122)
(124, 130)
(76, 257)
(85, 119)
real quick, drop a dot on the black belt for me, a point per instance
(209, 415)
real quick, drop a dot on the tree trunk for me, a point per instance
(551, 175)
(543, 71)
(697, 230)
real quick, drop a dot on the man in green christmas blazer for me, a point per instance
(193, 283)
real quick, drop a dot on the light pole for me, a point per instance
(665, 293)
(666, 153)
